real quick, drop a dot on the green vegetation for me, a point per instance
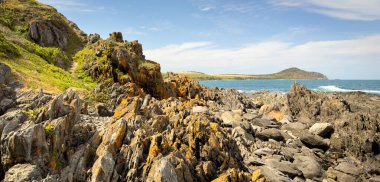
(149, 65)
(35, 72)
(291, 73)
(98, 97)
(49, 130)
(7, 49)
(57, 162)
(51, 54)
(32, 114)
(17, 15)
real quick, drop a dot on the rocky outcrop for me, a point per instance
(48, 33)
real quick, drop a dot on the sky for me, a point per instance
(339, 38)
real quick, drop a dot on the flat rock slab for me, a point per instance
(313, 141)
(271, 133)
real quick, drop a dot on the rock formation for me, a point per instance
(137, 126)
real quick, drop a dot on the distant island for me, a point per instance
(290, 73)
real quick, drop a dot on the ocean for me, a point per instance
(251, 86)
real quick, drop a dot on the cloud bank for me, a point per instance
(366, 10)
(360, 55)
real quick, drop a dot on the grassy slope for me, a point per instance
(291, 73)
(36, 72)
(34, 65)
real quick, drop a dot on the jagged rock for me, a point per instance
(25, 143)
(93, 38)
(162, 171)
(5, 73)
(68, 104)
(23, 173)
(322, 129)
(271, 133)
(310, 168)
(116, 36)
(313, 141)
(102, 110)
(103, 168)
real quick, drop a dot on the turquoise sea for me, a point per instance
(251, 86)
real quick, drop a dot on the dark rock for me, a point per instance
(313, 141)
(309, 166)
(93, 38)
(102, 110)
(6, 104)
(5, 73)
(116, 36)
(48, 33)
(270, 133)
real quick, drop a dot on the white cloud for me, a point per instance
(366, 10)
(331, 57)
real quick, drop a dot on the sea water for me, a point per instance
(251, 86)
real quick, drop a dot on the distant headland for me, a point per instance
(290, 73)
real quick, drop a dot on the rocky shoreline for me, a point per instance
(216, 134)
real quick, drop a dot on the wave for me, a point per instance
(333, 88)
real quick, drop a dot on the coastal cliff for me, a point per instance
(99, 111)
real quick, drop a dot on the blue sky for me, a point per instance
(340, 38)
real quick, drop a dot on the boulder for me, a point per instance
(285, 167)
(23, 173)
(313, 141)
(309, 166)
(231, 119)
(271, 133)
(348, 168)
(6, 104)
(23, 143)
(5, 73)
(322, 129)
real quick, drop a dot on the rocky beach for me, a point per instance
(97, 110)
